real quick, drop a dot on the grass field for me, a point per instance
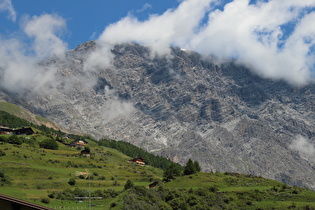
(32, 173)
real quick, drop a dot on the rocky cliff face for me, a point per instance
(186, 106)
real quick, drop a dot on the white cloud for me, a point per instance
(20, 70)
(252, 33)
(144, 7)
(255, 34)
(159, 32)
(100, 57)
(21, 73)
(6, 5)
(44, 30)
(114, 107)
(303, 146)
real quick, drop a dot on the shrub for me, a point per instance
(2, 153)
(45, 200)
(128, 184)
(72, 182)
(112, 205)
(82, 176)
(3, 139)
(51, 195)
(49, 144)
(15, 140)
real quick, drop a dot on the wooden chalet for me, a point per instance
(85, 153)
(24, 131)
(138, 161)
(21, 131)
(78, 143)
(5, 130)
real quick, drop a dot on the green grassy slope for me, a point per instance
(35, 173)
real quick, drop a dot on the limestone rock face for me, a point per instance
(186, 106)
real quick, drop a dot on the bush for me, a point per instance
(128, 184)
(3, 179)
(2, 153)
(15, 140)
(49, 144)
(72, 182)
(45, 200)
(112, 205)
(3, 139)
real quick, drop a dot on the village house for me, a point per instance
(5, 130)
(78, 143)
(24, 131)
(138, 161)
(21, 131)
(85, 153)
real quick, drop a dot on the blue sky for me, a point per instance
(274, 38)
(84, 19)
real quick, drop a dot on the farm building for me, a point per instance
(85, 153)
(78, 143)
(138, 161)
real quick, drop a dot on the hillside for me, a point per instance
(52, 178)
(27, 115)
(183, 106)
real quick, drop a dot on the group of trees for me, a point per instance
(49, 144)
(173, 170)
(134, 151)
(12, 121)
(192, 167)
(13, 139)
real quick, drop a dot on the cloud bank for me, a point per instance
(44, 30)
(19, 62)
(274, 38)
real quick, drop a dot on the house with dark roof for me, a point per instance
(21, 131)
(85, 153)
(5, 130)
(24, 131)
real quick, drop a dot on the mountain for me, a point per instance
(183, 106)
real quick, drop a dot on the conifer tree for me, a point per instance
(171, 171)
(197, 166)
(189, 168)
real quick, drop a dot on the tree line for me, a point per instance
(134, 151)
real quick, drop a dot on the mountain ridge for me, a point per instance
(186, 106)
